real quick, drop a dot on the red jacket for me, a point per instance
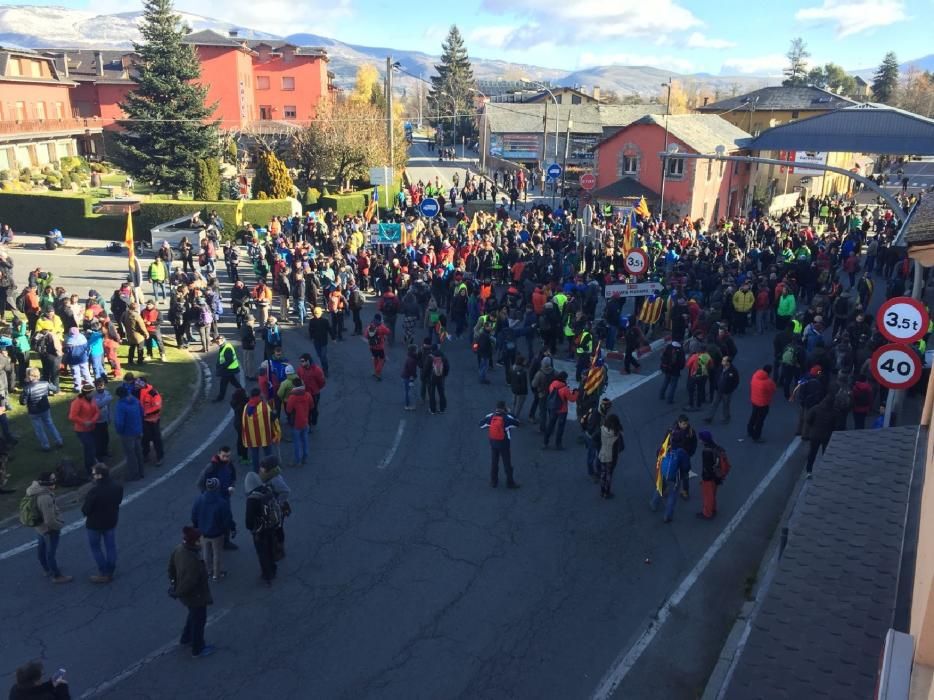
(298, 407)
(83, 414)
(565, 394)
(761, 388)
(312, 377)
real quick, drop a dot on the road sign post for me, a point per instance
(895, 366)
(902, 320)
(636, 262)
(429, 207)
(588, 181)
(554, 171)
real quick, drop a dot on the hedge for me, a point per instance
(256, 211)
(38, 213)
(344, 204)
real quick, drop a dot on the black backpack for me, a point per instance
(270, 510)
(553, 402)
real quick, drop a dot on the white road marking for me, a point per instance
(78, 524)
(138, 666)
(384, 462)
(628, 658)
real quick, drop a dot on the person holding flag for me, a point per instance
(671, 463)
(642, 209)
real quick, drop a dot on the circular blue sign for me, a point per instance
(429, 207)
(554, 171)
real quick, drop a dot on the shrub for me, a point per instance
(38, 213)
(153, 213)
(272, 177)
(53, 180)
(207, 183)
(74, 163)
(344, 204)
(312, 195)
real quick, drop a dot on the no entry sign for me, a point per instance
(636, 262)
(895, 366)
(902, 320)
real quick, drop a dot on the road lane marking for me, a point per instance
(78, 524)
(384, 462)
(628, 658)
(138, 666)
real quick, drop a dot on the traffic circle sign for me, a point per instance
(429, 207)
(636, 262)
(902, 320)
(895, 366)
(588, 181)
(554, 171)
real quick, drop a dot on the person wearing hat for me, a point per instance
(212, 516)
(228, 367)
(189, 584)
(49, 526)
(83, 414)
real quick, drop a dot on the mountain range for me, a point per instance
(35, 26)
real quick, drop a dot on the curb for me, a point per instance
(73, 498)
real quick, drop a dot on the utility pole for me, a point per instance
(564, 169)
(544, 146)
(661, 204)
(389, 125)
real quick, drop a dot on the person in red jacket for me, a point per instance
(298, 410)
(559, 394)
(83, 414)
(761, 390)
(376, 334)
(314, 380)
(862, 401)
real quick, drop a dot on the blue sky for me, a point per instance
(716, 36)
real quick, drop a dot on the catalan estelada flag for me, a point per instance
(642, 209)
(596, 375)
(474, 226)
(370, 210)
(627, 235)
(662, 451)
(651, 310)
(128, 238)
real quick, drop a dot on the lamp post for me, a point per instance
(661, 204)
(564, 169)
(453, 120)
(545, 129)
(483, 141)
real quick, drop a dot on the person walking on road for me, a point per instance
(267, 506)
(101, 509)
(761, 390)
(188, 579)
(818, 427)
(211, 515)
(675, 464)
(498, 425)
(47, 522)
(222, 468)
(683, 436)
(128, 422)
(319, 330)
(559, 395)
(727, 382)
(228, 367)
(298, 410)
(611, 444)
(260, 428)
(409, 374)
(713, 471)
(376, 334)
(672, 362)
(436, 368)
(151, 402)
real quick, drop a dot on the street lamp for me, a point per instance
(661, 204)
(545, 128)
(483, 141)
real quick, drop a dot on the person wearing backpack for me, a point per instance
(409, 374)
(789, 365)
(541, 380)
(190, 585)
(376, 334)
(675, 464)
(714, 468)
(842, 402)
(698, 366)
(388, 306)
(672, 362)
(436, 369)
(559, 395)
(817, 427)
(862, 401)
(267, 506)
(39, 511)
(498, 425)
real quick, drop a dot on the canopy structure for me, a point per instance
(863, 128)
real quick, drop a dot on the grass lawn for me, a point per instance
(175, 379)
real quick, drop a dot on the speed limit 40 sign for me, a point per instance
(902, 320)
(636, 262)
(895, 366)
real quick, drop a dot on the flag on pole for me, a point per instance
(238, 217)
(128, 239)
(643, 208)
(662, 451)
(370, 211)
(596, 375)
(627, 235)
(474, 225)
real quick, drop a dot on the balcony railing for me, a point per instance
(38, 126)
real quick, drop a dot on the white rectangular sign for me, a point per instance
(804, 158)
(639, 289)
(381, 176)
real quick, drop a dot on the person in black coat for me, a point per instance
(819, 423)
(727, 381)
(30, 686)
(101, 510)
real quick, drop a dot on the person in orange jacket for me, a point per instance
(556, 403)
(83, 414)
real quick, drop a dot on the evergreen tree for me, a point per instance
(166, 130)
(452, 89)
(885, 81)
(272, 178)
(207, 184)
(796, 71)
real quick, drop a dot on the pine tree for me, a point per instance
(452, 89)
(207, 184)
(166, 131)
(885, 81)
(796, 71)
(272, 178)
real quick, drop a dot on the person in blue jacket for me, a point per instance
(128, 422)
(211, 514)
(675, 465)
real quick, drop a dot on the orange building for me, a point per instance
(37, 120)
(291, 81)
(102, 80)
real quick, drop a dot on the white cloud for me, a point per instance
(564, 21)
(854, 17)
(493, 36)
(275, 16)
(589, 59)
(770, 64)
(700, 41)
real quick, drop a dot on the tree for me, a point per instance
(368, 88)
(451, 90)
(916, 93)
(272, 178)
(166, 130)
(797, 56)
(832, 77)
(885, 81)
(207, 184)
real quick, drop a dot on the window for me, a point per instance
(20, 111)
(288, 83)
(35, 69)
(676, 168)
(265, 112)
(289, 112)
(59, 110)
(575, 99)
(709, 173)
(262, 82)
(16, 67)
(630, 165)
(40, 111)
(794, 115)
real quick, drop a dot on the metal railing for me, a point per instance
(38, 126)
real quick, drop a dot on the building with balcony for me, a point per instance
(102, 80)
(38, 124)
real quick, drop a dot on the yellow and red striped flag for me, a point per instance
(651, 310)
(128, 238)
(370, 211)
(662, 451)
(642, 209)
(596, 374)
(627, 235)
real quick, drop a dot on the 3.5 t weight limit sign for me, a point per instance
(895, 366)
(902, 320)
(636, 262)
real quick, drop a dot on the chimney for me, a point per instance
(64, 64)
(234, 33)
(99, 57)
(596, 92)
(706, 100)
